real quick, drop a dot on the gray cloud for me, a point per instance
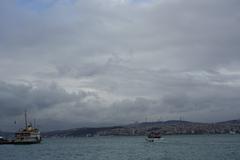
(79, 63)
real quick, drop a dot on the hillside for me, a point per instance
(164, 127)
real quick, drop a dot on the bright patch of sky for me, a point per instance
(42, 5)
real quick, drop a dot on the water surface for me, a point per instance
(200, 147)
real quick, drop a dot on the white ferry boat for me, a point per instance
(28, 135)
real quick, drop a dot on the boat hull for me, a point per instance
(19, 142)
(28, 141)
(153, 139)
(25, 143)
(5, 143)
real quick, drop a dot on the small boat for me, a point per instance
(153, 137)
(28, 135)
(5, 141)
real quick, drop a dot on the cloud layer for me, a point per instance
(80, 63)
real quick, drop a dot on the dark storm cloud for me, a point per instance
(95, 62)
(14, 99)
(54, 105)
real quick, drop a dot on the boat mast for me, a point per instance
(34, 123)
(26, 118)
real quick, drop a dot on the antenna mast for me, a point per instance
(34, 123)
(26, 123)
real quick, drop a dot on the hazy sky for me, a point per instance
(75, 63)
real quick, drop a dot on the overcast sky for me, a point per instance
(85, 63)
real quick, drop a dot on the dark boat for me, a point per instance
(153, 137)
(5, 141)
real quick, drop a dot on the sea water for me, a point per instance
(185, 147)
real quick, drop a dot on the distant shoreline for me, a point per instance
(172, 127)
